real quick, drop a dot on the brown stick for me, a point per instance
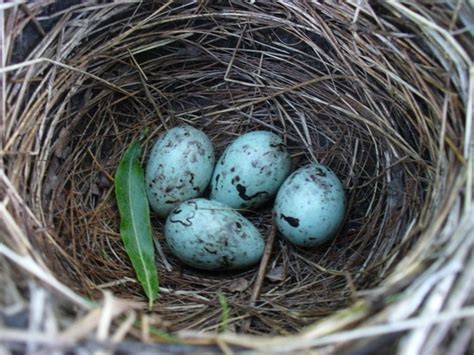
(257, 288)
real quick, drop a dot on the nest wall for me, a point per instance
(366, 89)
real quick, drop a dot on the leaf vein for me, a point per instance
(135, 232)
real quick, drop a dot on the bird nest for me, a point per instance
(381, 93)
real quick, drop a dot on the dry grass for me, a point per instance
(381, 94)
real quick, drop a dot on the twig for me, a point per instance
(262, 270)
(263, 264)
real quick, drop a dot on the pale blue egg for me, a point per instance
(250, 170)
(209, 235)
(310, 206)
(179, 168)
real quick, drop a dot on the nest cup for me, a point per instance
(377, 93)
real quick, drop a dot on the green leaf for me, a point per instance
(225, 312)
(135, 226)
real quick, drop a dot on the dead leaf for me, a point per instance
(276, 274)
(238, 285)
(61, 141)
(95, 190)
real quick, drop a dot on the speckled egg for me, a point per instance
(209, 235)
(179, 168)
(310, 206)
(250, 170)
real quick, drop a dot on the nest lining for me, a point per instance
(359, 98)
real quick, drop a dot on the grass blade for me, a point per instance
(225, 312)
(135, 227)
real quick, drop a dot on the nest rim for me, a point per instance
(453, 161)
